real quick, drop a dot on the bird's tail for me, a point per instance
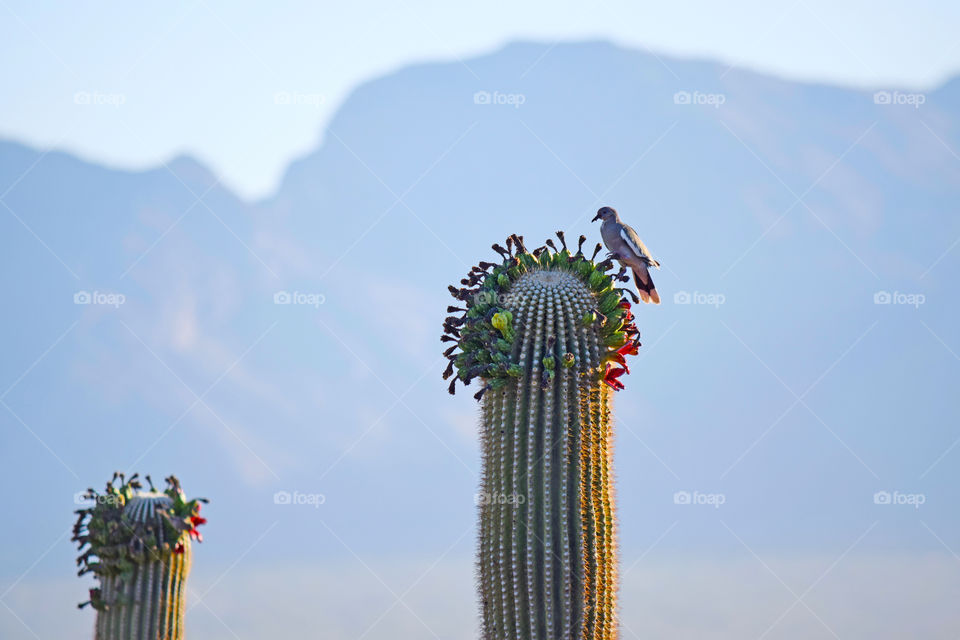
(645, 287)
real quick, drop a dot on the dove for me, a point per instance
(626, 247)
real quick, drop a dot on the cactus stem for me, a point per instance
(138, 544)
(550, 345)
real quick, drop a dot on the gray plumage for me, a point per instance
(626, 247)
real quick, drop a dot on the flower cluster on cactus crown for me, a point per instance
(483, 336)
(112, 542)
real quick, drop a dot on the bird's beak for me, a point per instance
(595, 218)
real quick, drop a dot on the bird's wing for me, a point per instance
(636, 245)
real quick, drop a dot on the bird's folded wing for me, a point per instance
(633, 241)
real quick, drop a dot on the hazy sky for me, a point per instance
(247, 86)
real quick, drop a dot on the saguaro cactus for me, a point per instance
(137, 543)
(547, 334)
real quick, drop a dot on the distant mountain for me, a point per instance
(781, 211)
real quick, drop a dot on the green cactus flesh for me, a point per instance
(547, 560)
(148, 602)
(138, 544)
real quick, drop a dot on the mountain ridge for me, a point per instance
(949, 87)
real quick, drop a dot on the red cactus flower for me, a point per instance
(611, 377)
(629, 349)
(617, 357)
(192, 522)
(195, 521)
(192, 531)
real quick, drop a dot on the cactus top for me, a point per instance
(128, 525)
(484, 331)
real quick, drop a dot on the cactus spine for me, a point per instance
(548, 341)
(138, 544)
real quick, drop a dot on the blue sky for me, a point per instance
(164, 79)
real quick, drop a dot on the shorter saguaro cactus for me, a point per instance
(138, 544)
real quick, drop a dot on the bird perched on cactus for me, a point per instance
(137, 542)
(626, 247)
(546, 333)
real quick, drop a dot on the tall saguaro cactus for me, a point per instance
(138, 544)
(547, 334)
